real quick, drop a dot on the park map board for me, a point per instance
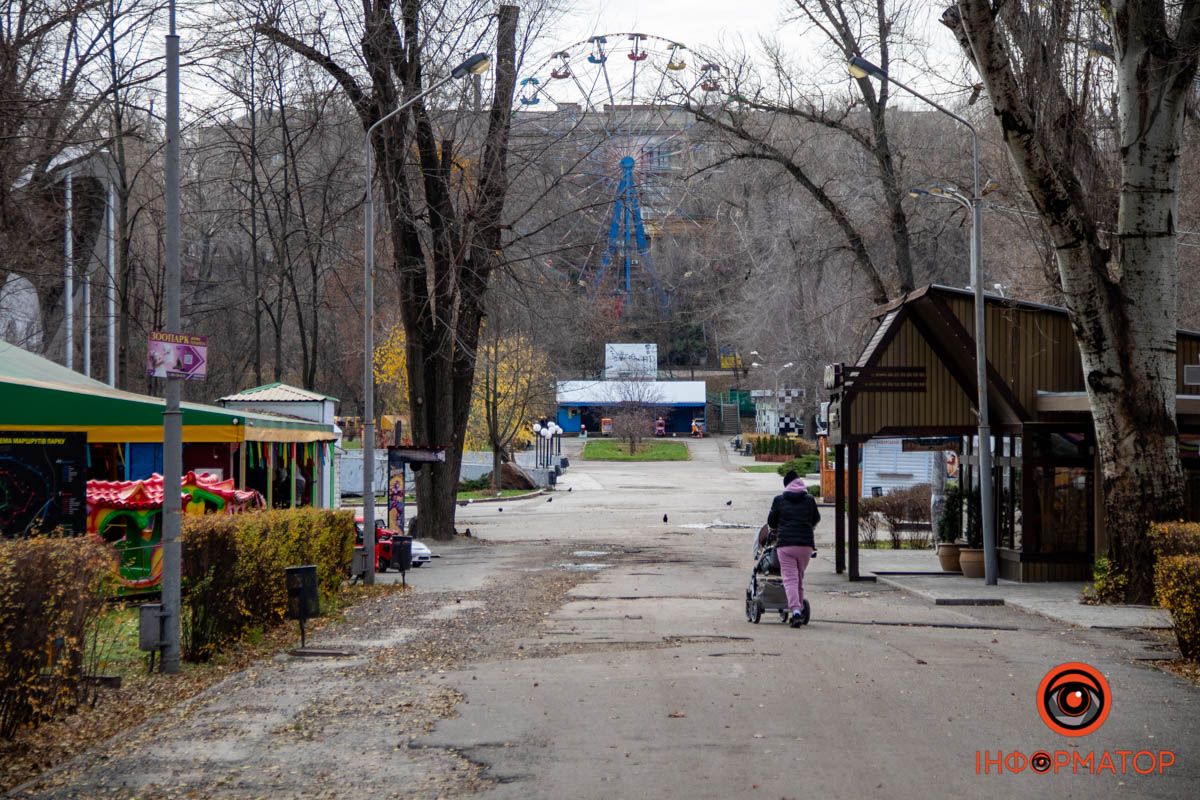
(43, 482)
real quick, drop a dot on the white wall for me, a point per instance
(885, 464)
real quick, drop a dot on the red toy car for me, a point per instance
(383, 543)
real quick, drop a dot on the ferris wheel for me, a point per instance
(625, 148)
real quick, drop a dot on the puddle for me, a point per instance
(589, 553)
(704, 526)
(592, 567)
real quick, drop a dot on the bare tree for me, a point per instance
(1099, 153)
(444, 225)
(633, 409)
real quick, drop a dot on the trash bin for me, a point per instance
(402, 552)
(303, 602)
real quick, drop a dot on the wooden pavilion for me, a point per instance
(916, 378)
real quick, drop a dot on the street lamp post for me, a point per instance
(861, 68)
(172, 513)
(475, 65)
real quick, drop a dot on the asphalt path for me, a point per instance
(579, 646)
(654, 684)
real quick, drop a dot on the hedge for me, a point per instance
(52, 593)
(1177, 589)
(1175, 538)
(767, 444)
(1177, 580)
(233, 569)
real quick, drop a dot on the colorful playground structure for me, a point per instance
(128, 514)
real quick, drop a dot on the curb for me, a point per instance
(1017, 605)
(505, 499)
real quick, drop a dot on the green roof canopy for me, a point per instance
(37, 394)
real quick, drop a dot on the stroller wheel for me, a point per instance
(783, 616)
(754, 611)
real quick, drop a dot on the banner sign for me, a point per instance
(395, 490)
(932, 444)
(177, 355)
(630, 361)
(43, 482)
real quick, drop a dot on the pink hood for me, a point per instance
(798, 485)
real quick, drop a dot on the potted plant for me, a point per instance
(970, 557)
(949, 528)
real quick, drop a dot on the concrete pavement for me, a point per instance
(584, 648)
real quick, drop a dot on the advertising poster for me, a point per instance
(395, 490)
(637, 361)
(43, 482)
(177, 355)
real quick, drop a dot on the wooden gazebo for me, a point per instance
(916, 378)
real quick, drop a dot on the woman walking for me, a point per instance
(793, 515)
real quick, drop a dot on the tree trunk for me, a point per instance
(497, 465)
(1122, 300)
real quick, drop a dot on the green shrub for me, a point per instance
(233, 569)
(478, 485)
(1108, 584)
(1177, 589)
(52, 594)
(950, 526)
(974, 532)
(772, 445)
(803, 465)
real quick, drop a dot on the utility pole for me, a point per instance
(172, 416)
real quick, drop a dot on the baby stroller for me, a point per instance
(766, 592)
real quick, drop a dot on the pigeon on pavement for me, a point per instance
(664, 517)
(728, 502)
(549, 499)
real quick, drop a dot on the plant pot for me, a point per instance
(970, 559)
(947, 553)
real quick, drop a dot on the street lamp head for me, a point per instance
(753, 352)
(755, 364)
(537, 428)
(860, 68)
(788, 365)
(475, 65)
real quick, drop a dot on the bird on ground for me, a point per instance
(570, 488)
(664, 517)
(549, 499)
(728, 502)
(501, 510)
(468, 533)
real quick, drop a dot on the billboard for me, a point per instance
(43, 482)
(395, 490)
(177, 355)
(623, 361)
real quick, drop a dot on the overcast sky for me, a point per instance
(696, 23)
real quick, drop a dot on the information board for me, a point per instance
(43, 482)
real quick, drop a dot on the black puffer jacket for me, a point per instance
(794, 515)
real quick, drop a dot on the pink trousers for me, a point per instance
(792, 563)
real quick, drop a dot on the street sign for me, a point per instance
(177, 355)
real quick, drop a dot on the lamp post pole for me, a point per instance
(861, 68)
(474, 65)
(172, 415)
